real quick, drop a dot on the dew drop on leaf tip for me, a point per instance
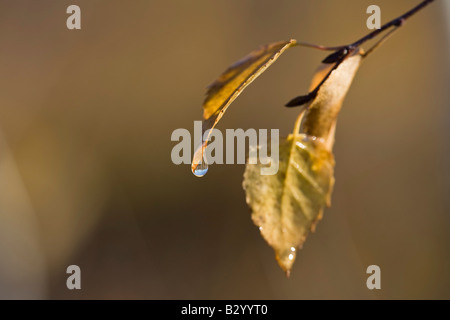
(201, 169)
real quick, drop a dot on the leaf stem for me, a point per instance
(379, 42)
(318, 46)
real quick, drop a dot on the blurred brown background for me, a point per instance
(86, 176)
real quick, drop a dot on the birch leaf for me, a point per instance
(287, 205)
(222, 92)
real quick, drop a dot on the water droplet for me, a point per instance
(291, 256)
(292, 249)
(201, 169)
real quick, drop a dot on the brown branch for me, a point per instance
(342, 52)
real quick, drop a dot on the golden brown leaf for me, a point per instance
(222, 92)
(287, 205)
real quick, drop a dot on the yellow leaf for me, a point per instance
(287, 205)
(222, 92)
(320, 117)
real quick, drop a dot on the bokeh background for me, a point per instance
(86, 176)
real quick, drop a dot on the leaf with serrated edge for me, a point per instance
(222, 92)
(287, 205)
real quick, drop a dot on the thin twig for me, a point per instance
(396, 22)
(342, 52)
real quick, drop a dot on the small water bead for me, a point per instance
(200, 172)
(201, 169)
(292, 255)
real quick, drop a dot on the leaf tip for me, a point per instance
(286, 259)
